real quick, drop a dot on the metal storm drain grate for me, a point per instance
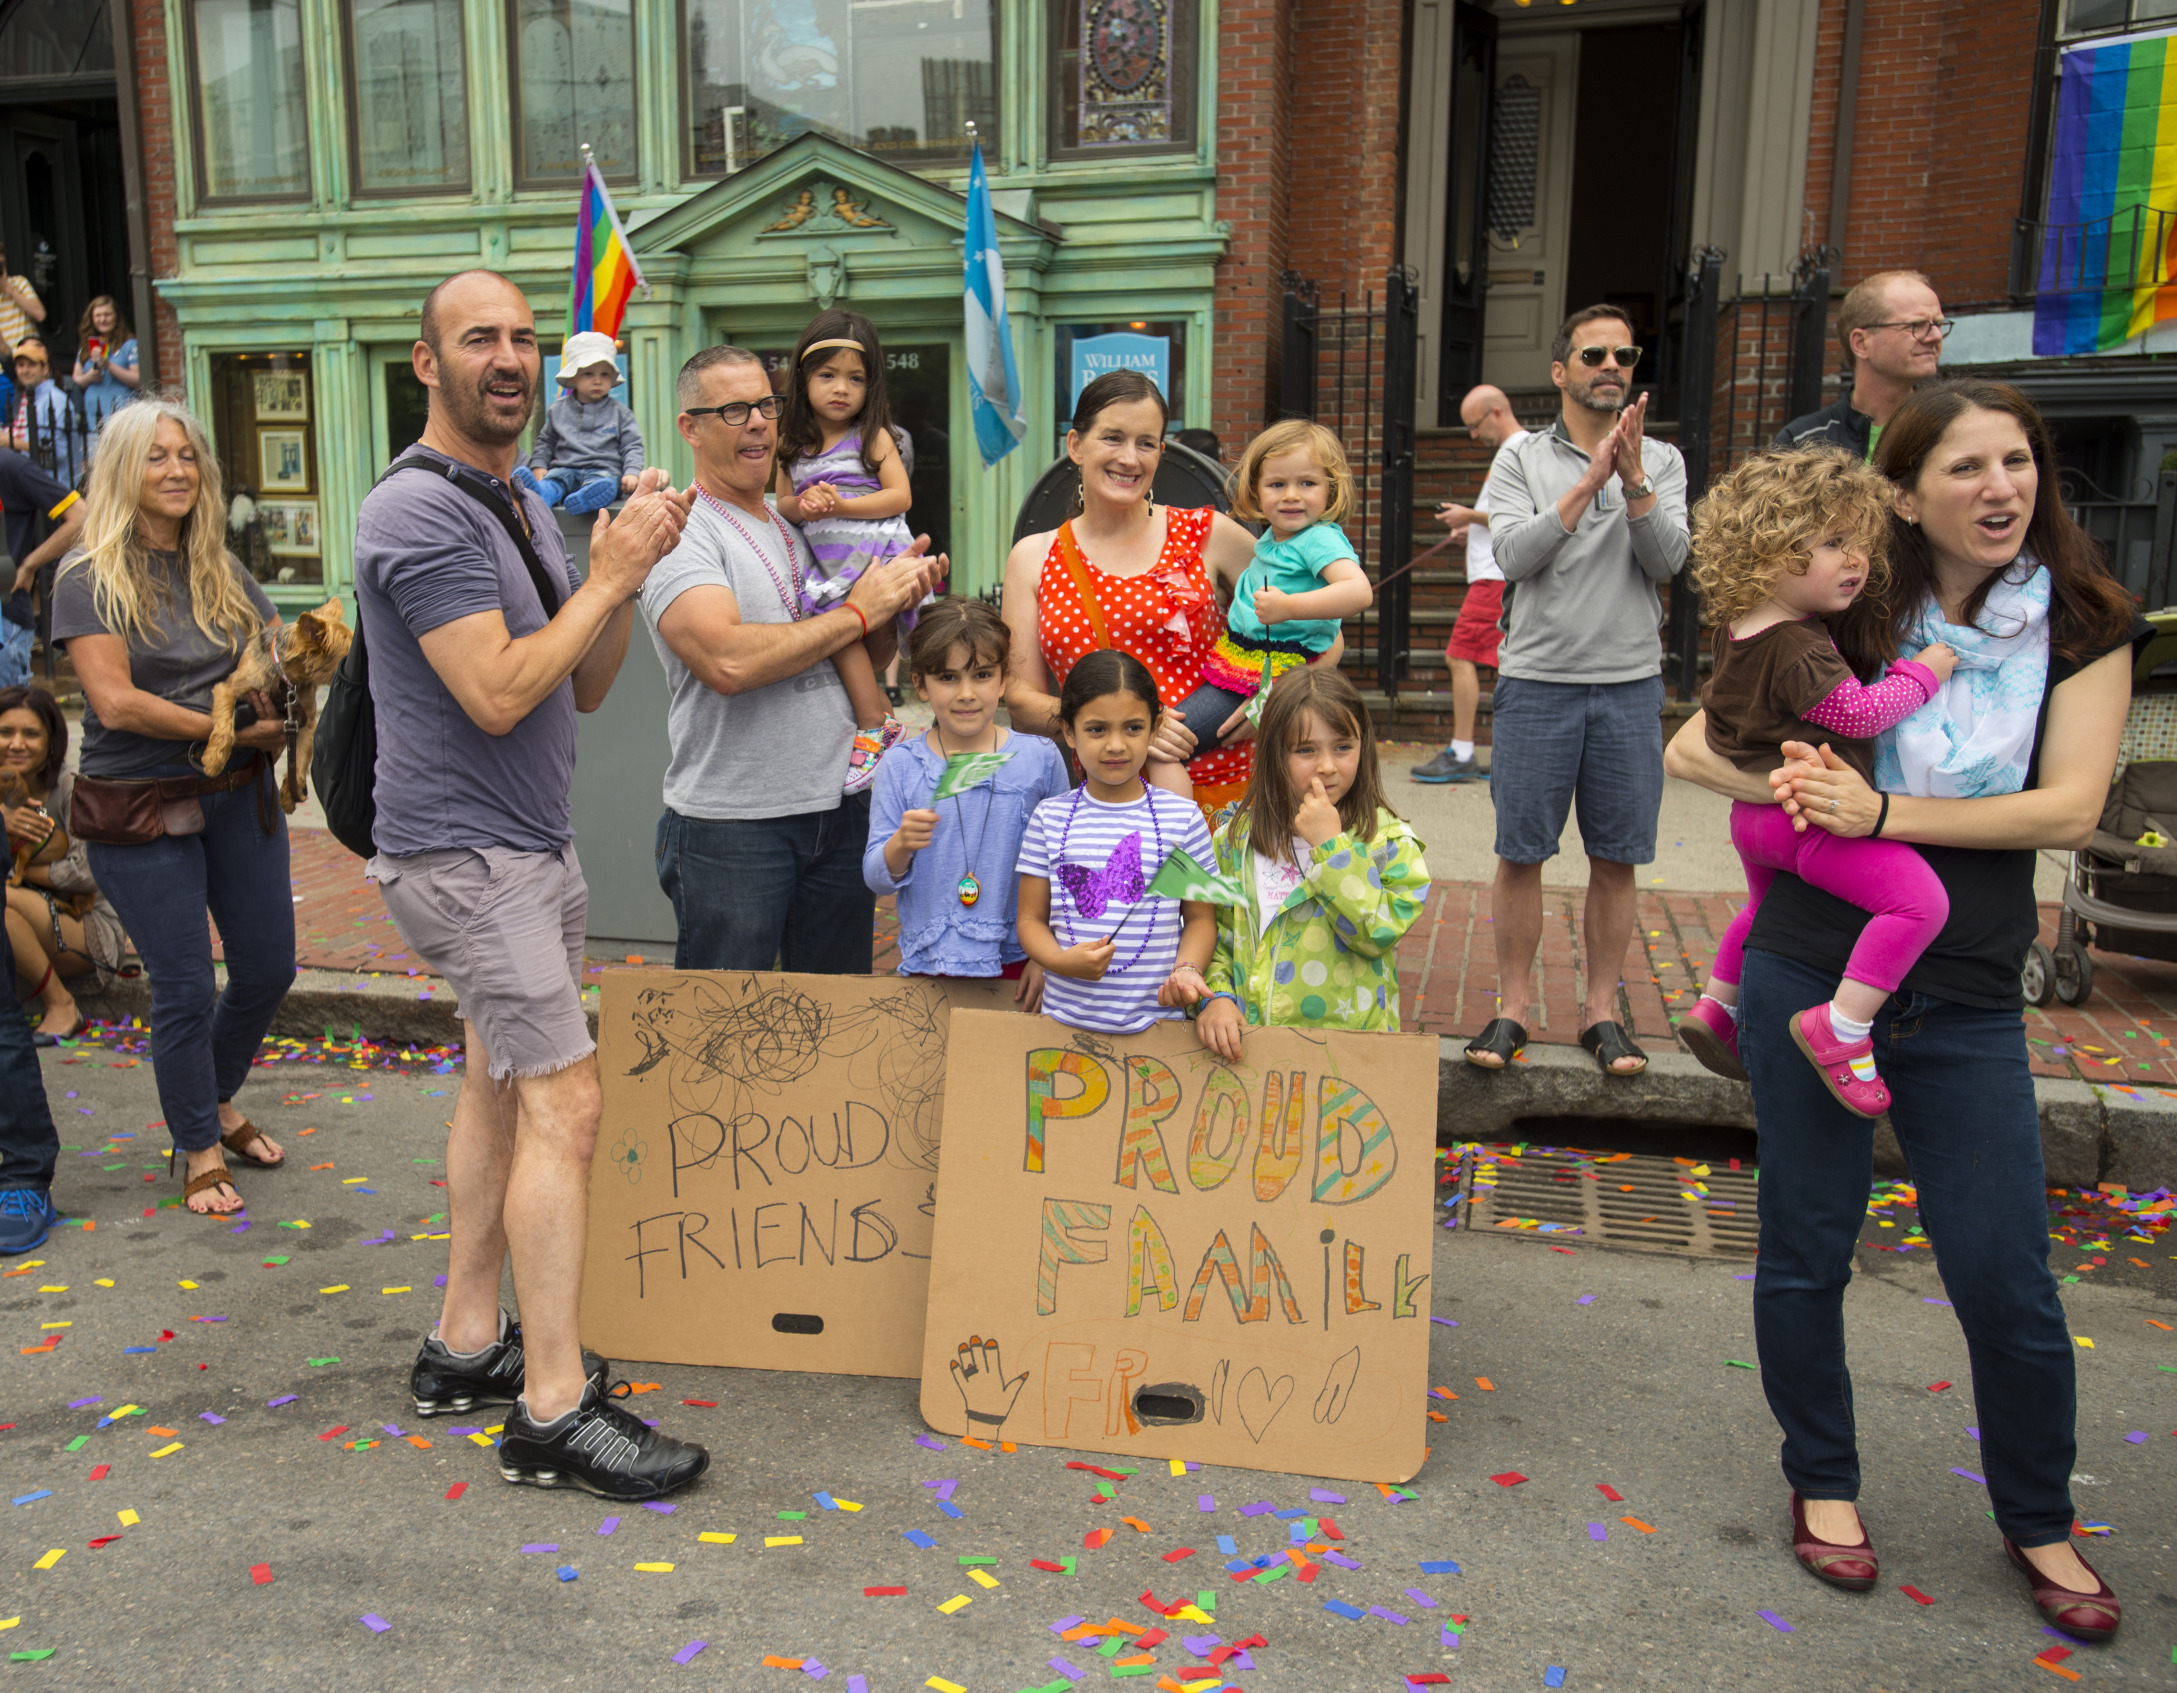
(1639, 1200)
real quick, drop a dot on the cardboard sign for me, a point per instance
(761, 1194)
(1143, 1250)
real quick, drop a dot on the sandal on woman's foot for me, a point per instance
(1711, 1034)
(1851, 1566)
(218, 1175)
(246, 1134)
(41, 1038)
(1501, 1039)
(2085, 1616)
(1609, 1042)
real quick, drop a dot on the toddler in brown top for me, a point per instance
(1781, 543)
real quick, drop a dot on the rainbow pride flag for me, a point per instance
(605, 271)
(2110, 251)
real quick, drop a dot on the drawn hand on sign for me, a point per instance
(984, 1391)
(1337, 1393)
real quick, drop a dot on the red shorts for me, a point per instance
(1474, 636)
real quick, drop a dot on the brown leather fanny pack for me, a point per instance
(116, 813)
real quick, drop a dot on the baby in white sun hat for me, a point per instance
(589, 451)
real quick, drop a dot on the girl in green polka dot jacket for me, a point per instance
(1336, 876)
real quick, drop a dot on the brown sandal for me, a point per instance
(216, 1176)
(239, 1141)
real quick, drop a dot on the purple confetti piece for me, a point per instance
(1971, 1430)
(1241, 1659)
(212, 1417)
(1774, 1621)
(1064, 1623)
(608, 1525)
(438, 1281)
(208, 1319)
(1420, 1598)
(2137, 1437)
(1743, 1278)
(1205, 1502)
(855, 1684)
(2056, 1634)
(1598, 1531)
(1944, 1303)
(78, 1404)
(239, 1228)
(394, 1429)
(1324, 1496)
(1065, 1668)
(284, 1399)
(374, 1622)
(471, 1429)
(1585, 1299)
(542, 1546)
(924, 1440)
(1446, 1321)
(944, 1488)
(1199, 1644)
(1341, 1560)
(1388, 1616)
(663, 1510)
(1449, 1636)
(813, 1670)
(1257, 1508)
(1970, 1476)
(688, 1653)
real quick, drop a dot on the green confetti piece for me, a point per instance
(78, 1444)
(1275, 1572)
(974, 1560)
(277, 1258)
(792, 1516)
(1737, 1364)
(1112, 1648)
(320, 1363)
(1206, 1601)
(1068, 1562)
(1132, 1669)
(39, 1656)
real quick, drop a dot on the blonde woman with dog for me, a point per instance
(154, 612)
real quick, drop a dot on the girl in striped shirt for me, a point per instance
(1116, 957)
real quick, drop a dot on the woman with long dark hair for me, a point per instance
(2013, 755)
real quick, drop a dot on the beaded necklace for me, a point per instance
(790, 598)
(1065, 833)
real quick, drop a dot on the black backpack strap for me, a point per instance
(472, 485)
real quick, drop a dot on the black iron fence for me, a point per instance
(2127, 249)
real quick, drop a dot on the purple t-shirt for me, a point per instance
(425, 554)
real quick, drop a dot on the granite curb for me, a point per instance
(2089, 1133)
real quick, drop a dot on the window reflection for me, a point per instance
(250, 119)
(575, 83)
(410, 96)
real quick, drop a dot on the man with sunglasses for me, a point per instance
(759, 850)
(1587, 519)
(1891, 326)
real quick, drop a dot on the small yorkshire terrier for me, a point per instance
(15, 794)
(300, 656)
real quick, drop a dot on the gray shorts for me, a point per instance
(1600, 743)
(504, 927)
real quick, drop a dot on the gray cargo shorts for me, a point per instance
(504, 927)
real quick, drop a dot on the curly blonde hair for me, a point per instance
(1330, 458)
(1762, 522)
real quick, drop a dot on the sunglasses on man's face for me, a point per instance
(1626, 357)
(734, 413)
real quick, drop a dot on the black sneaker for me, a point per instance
(444, 1384)
(600, 1447)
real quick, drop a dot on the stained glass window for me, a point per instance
(574, 80)
(1125, 76)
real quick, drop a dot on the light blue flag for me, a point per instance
(993, 379)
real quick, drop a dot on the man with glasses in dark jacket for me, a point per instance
(1891, 327)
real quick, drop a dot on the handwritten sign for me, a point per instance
(1141, 1249)
(761, 1194)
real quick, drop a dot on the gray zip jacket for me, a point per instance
(1582, 606)
(593, 435)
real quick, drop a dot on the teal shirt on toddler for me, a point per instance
(1297, 567)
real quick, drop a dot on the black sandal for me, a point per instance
(1500, 1036)
(1609, 1042)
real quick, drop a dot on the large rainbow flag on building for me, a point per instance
(605, 271)
(2109, 256)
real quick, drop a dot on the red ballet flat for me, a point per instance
(2087, 1616)
(1849, 1565)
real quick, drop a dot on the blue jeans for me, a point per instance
(15, 644)
(1963, 1108)
(771, 893)
(29, 1144)
(203, 1038)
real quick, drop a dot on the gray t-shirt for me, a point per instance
(779, 751)
(426, 554)
(176, 661)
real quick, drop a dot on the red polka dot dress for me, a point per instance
(1168, 617)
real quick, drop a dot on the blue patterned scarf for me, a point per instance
(1975, 737)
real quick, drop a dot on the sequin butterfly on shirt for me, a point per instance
(1118, 882)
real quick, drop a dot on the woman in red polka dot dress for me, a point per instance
(1129, 574)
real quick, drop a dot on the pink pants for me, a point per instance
(1885, 878)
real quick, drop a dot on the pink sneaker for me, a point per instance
(870, 746)
(1848, 1068)
(1711, 1034)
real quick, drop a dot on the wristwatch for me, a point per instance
(1646, 490)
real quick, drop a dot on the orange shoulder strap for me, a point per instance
(1077, 567)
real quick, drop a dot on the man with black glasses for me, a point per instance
(759, 850)
(1891, 326)
(1586, 518)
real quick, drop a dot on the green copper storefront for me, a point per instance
(769, 158)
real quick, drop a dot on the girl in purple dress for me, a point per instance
(843, 478)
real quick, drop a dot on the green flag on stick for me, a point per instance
(965, 770)
(1182, 878)
(1261, 696)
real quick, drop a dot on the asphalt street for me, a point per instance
(259, 1519)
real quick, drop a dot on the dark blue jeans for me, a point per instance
(1963, 1108)
(29, 1144)
(771, 893)
(203, 1038)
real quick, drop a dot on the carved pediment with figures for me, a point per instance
(824, 208)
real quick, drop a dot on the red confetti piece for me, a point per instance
(1046, 1564)
(456, 1491)
(1155, 1637)
(707, 1404)
(883, 1592)
(99, 1473)
(103, 1540)
(329, 1433)
(1095, 1538)
(261, 1574)
(1610, 1493)
(1108, 1475)
(1510, 1478)
(1915, 1595)
(1331, 1531)
(1937, 1386)
(1428, 1678)
(1177, 1553)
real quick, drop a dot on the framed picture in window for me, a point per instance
(290, 527)
(283, 466)
(283, 396)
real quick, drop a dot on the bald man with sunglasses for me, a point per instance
(1587, 519)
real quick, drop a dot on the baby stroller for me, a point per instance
(2123, 884)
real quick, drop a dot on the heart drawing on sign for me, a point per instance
(1259, 1400)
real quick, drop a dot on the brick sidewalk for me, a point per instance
(1447, 968)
